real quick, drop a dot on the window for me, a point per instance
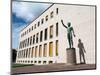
(39, 23)
(24, 53)
(40, 50)
(56, 10)
(28, 61)
(27, 53)
(45, 34)
(25, 32)
(57, 29)
(51, 14)
(51, 31)
(56, 48)
(25, 42)
(36, 51)
(37, 37)
(39, 62)
(45, 50)
(29, 29)
(35, 26)
(44, 62)
(50, 62)
(32, 52)
(35, 61)
(51, 49)
(28, 42)
(41, 35)
(46, 18)
(33, 39)
(31, 61)
(42, 21)
(32, 27)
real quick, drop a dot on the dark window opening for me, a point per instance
(45, 36)
(41, 35)
(56, 10)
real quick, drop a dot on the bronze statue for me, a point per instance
(70, 33)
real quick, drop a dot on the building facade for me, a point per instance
(44, 41)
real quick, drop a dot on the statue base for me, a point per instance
(71, 56)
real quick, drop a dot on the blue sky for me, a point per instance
(22, 14)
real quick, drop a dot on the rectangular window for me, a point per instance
(29, 51)
(44, 62)
(45, 34)
(39, 62)
(40, 50)
(56, 48)
(32, 52)
(32, 27)
(51, 49)
(24, 53)
(46, 18)
(56, 10)
(33, 39)
(51, 31)
(41, 35)
(42, 21)
(45, 50)
(29, 29)
(25, 42)
(25, 32)
(57, 29)
(35, 61)
(50, 62)
(19, 54)
(35, 26)
(36, 51)
(37, 37)
(38, 23)
(52, 14)
(28, 42)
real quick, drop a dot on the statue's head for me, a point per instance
(79, 40)
(69, 24)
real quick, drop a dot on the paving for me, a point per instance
(51, 68)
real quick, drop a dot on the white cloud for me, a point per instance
(28, 10)
(15, 35)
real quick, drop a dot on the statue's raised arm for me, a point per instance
(63, 24)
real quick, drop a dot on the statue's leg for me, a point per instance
(69, 40)
(83, 58)
(80, 56)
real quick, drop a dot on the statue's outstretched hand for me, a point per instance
(74, 35)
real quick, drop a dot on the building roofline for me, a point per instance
(56, 3)
(49, 7)
(37, 17)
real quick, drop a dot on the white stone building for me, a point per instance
(44, 41)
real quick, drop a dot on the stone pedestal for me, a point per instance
(71, 56)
